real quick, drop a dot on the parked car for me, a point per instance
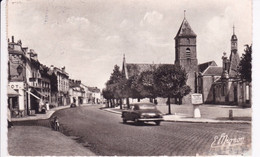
(142, 112)
(73, 105)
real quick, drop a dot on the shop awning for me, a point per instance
(40, 93)
(33, 94)
(11, 92)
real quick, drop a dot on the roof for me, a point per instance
(205, 65)
(94, 89)
(234, 62)
(136, 69)
(56, 70)
(234, 37)
(213, 71)
(185, 30)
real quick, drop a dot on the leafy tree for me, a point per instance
(170, 82)
(146, 84)
(117, 84)
(115, 76)
(184, 90)
(110, 84)
(107, 94)
(245, 65)
(132, 84)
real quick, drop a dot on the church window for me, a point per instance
(188, 53)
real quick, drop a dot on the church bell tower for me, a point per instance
(234, 56)
(186, 53)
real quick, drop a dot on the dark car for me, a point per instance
(142, 112)
(73, 105)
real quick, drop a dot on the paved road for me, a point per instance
(107, 135)
(42, 141)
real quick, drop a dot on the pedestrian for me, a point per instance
(47, 106)
(42, 109)
(56, 123)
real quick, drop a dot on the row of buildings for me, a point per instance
(218, 85)
(31, 84)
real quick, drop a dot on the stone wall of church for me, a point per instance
(233, 93)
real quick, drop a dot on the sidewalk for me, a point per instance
(209, 113)
(47, 115)
(33, 142)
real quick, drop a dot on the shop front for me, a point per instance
(17, 99)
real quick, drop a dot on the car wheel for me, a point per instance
(124, 120)
(157, 122)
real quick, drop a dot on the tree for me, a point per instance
(146, 85)
(245, 65)
(170, 81)
(115, 76)
(117, 84)
(110, 84)
(134, 88)
(108, 95)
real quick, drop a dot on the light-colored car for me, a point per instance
(142, 112)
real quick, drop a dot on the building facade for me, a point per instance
(76, 92)
(45, 84)
(59, 86)
(17, 78)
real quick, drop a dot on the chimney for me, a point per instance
(63, 69)
(8, 40)
(19, 42)
(12, 39)
(52, 68)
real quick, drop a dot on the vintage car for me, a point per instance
(142, 112)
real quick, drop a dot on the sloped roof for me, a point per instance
(136, 69)
(94, 89)
(204, 66)
(213, 70)
(185, 30)
(234, 62)
(234, 37)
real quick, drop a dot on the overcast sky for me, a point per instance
(89, 37)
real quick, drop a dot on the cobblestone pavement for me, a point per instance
(105, 134)
(42, 141)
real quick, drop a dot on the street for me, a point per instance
(105, 134)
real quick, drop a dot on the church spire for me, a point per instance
(185, 29)
(233, 29)
(124, 72)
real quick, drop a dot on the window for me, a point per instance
(188, 53)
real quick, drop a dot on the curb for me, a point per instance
(46, 116)
(108, 110)
(195, 120)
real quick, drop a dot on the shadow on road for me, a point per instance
(139, 124)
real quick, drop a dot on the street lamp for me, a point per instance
(19, 69)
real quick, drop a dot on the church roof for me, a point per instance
(234, 62)
(136, 69)
(213, 71)
(204, 66)
(185, 30)
(234, 37)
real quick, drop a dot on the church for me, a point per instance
(222, 85)
(206, 78)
